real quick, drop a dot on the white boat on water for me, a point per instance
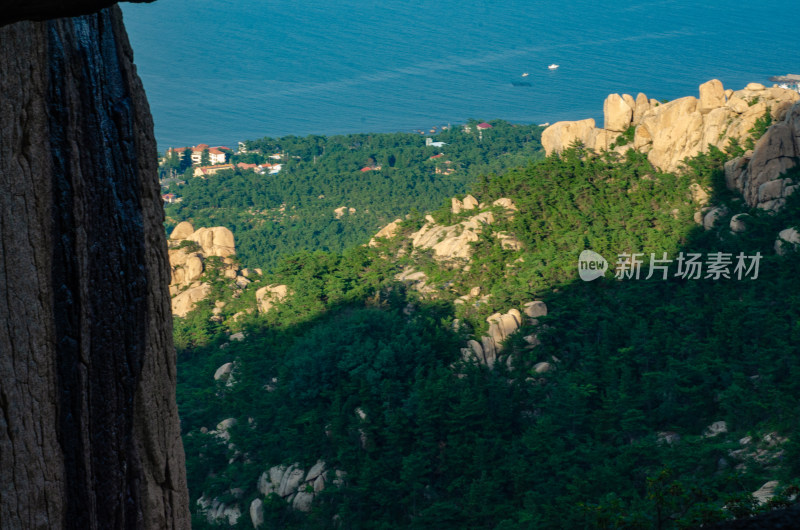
(553, 66)
(526, 74)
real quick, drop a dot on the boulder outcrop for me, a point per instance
(759, 175)
(187, 260)
(787, 240)
(501, 326)
(563, 134)
(215, 241)
(188, 251)
(414, 279)
(257, 513)
(185, 301)
(766, 492)
(617, 113)
(672, 131)
(451, 242)
(218, 512)
(182, 231)
(386, 232)
(296, 486)
(268, 296)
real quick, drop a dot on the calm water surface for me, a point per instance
(222, 71)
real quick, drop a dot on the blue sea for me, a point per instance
(221, 71)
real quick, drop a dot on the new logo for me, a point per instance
(591, 265)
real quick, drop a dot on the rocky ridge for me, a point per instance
(671, 131)
(452, 243)
(452, 247)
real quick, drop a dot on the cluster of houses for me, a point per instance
(216, 155)
(261, 169)
(218, 160)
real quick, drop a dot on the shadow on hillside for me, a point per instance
(648, 367)
(624, 430)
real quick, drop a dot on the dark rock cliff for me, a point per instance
(89, 432)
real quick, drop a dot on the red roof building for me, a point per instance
(484, 125)
(210, 170)
(216, 155)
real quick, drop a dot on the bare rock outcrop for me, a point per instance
(296, 486)
(215, 241)
(501, 326)
(187, 261)
(185, 301)
(188, 250)
(535, 309)
(226, 373)
(505, 202)
(759, 175)
(387, 232)
(469, 202)
(672, 131)
(182, 231)
(414, 279)
(562, 134)
(787, 240)
(217, 512)
(738, 223)
(641, 106)
(186, 266)
(712, 96)
(618, 112)
(257, 513)
(268, 296)
(451, 242)
(89, 432)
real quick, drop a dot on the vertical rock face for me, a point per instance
(759, 175)
(89, 433)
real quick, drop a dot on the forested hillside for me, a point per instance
(361, 399)
(295, 209)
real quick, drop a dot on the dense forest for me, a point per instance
(277, 215)
(367, 374)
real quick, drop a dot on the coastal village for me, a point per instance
(218, 159)
(207, 161)
(204, 161)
